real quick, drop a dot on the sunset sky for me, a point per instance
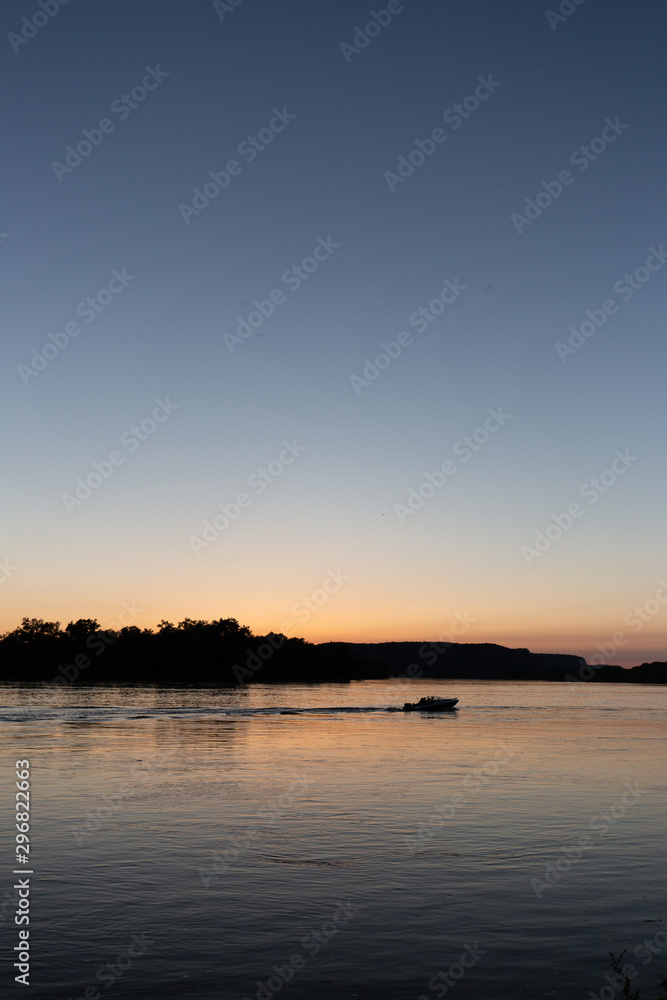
(362, 176)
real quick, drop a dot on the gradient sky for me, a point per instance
(331, 514)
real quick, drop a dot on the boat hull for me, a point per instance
(440, 705)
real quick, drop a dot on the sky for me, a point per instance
(220, 222)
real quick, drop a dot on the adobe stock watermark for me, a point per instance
(403, 684)
(465, 449)
(255, 659)
(454, 116)
(312, 943)
(223, 7)
(419, 320)
(432, 651)
(110, 804)
(122, 107)
(6, 570)
(618, 983)
(306, 607)
(292, 278)
(643, 613)
(9, 904)
(31, 26)
(635, 619)
(131, 440)
(565, 9)
(111, 972)
(472, 786)
(625, 287)
(601, 823)
(97, 643)
(442, 982)
(362, 38)
(580, 158)
(259, 481)
(249, 149)
(269, 814)
(303, 610)
(88, 310)
(591, 490)
(646, 952)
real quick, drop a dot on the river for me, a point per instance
(200, 843)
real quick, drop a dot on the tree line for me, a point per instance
(192, 652)
(223, 652)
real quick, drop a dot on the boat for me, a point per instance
(431, 705)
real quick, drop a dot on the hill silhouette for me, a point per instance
(477, 660)
(222, 652)
(489, 661)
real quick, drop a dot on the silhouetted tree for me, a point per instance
(223, 652)
(80, 630)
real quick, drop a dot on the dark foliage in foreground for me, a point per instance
(622, 976)
(224, 652)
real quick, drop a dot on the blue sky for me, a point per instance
(320, 182)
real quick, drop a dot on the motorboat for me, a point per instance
(431, 705)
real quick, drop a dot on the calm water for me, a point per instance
(231, 838)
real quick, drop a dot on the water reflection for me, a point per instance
(231, 834)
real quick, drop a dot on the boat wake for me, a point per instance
(73, 715)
